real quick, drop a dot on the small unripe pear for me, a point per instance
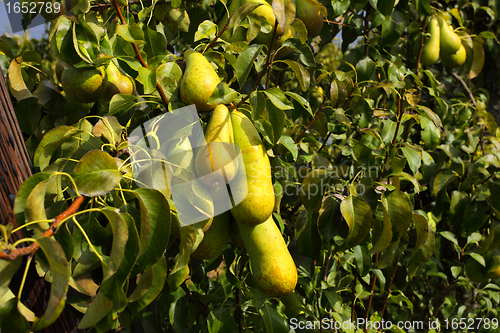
(118, 83)
(84, 85)
(310, 16)
(456, 59)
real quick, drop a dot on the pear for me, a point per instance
(283, 52)
(118, 83)
(215, 238)
(252, 188)
(430, 51)
(266, 12)
(220, 152)
(450, 41)
(60, 67)
(84, 85)
(198, 81)
(310, 16)
(456, 59)
(272, 265)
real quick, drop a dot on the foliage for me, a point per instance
(385, 171)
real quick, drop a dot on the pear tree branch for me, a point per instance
(138, 54)
(10, 255)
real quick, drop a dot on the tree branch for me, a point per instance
(10, 255)
(138, 54)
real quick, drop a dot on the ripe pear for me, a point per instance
(215, 238)
(118, 83)
(266, 12)
(84, 85)
(254, 176)
(450, 41)
(272, 265)
(456, 59)
(430, 51)
(220, 152)
(310, 16)
(198, 81)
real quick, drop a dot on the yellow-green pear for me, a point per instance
(272, 265)
(450, 41)
(254, 176)
(215, 238)
(220, 152)
(198, 81)
(84, 85)
(430, 51)
(118, 83)
(310, 15)
(456, 59)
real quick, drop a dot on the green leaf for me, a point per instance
(413, 157)
(306, 55)
(17, 85)
(301, 74)
(277, 120)
(307, 235)
(399, 210)
(23, 194)
(207, 29)
(11, 320)
(168, 76)
(365, 69)
(122, 104)
(120, 237)
(385, 7)
(241, 13)
(284, 11)
(7, 271)
(273, 321)
(442, 179)
(148, 79)
(159, 272)
(290, 144)
(85, 41)
(423, 110)
(131, 33)
(60, 272)
(221, 321)
(358, 216)
(478, 59)
(223, 94)
(96, 174)
(430, 134)
(155, 43)
(314, 186)
(101, 306)
(155, 226)
(382, 232)
(278, 98)
(245, 62)
(301, 100)
(51, 141)
(110, 128)
(392, 28)
(423, 231)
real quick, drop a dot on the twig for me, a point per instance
(371, 296)
(261, 74)
(312, 121)
(203, 308)
(138, 54)
(238, 312)
(10, 255)
(421, 46)
(389, 289)
(219, 34)
(464, 85)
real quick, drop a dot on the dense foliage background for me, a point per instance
(406, 156)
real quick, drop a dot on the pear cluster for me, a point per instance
(443, 42)
(89, 85)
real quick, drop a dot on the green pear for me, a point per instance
(456, 59)
(272, 265)
(254, 176)
(430, 51)
(118, 83)
(219, 153)
(450, 41)
(215, 238)
(198, 81)
(310, 15)
(84, 85)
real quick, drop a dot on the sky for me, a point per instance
(36, 32)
